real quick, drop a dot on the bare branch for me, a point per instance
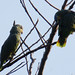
(52, 5)
(69, 3)
(48, 49)
(24, 54)
(15, 69)
(23, 5)
(31, 29)
(39, 34)
(30, 68)
(64, 4)
(37, 69)
(39, 13)
(71, 6)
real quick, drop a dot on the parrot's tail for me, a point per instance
(61, 42)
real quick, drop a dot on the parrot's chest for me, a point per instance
(14, 42)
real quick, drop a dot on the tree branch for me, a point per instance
(64, 4)
(52, 5)
(47, 50)
(71, 6)
(39, 13)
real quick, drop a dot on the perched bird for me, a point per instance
(66, 21)
(10, 45)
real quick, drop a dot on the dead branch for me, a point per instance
(64, 4)
(30, 68)
(71, 6)
(15, 69)
(39, 13)
(69, 3)
(47, 50)
(52, 5)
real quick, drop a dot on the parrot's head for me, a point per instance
(59, 15)
(16, 29)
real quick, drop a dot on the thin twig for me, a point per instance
(52, 5)
(30, 68)
(39, 13)
(31, 29)
(39, 34)
(71, 6)
(41, 37)
(24, 54)
(17, 69)
(23, 5)
(64, 4)
(36, 73)
(69, 2)
(13, 70)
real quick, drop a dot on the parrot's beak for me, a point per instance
(21, 31)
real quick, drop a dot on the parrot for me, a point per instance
(66, 25)
(10, 46)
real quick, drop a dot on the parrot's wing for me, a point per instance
(66, 24)
(8, 47)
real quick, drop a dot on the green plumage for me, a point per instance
(66, 21)
(10, 45)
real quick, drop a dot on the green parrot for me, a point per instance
(66, 21)
(11, 44)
